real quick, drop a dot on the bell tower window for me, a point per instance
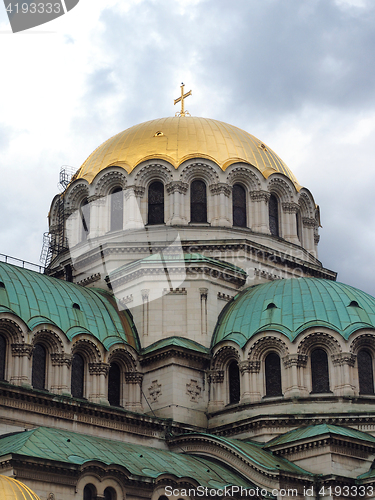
(114, 385)
(85, 218)
(78, 371)
(319, 371)
(365, 372)
(234, 382)
(3, 346)
(239, 206)
(117, 209)
(198, 202)
(273, 375)
(273, 212)
(38, 370)
(156, 203)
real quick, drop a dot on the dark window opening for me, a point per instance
(198, 202)
(89, 492)
(76, 306)
(117, 209)
(38, 370)
(319, 371)
(85, 218)
(298, 226)
(365, 372)
(273, 212)
(3, 346)
(109, 494)
(114, 385)
(234, 383)
(273, 375)
(78, 373)
(354, 303)
(239, 206)
(2, 284)
(271, 305)
(156, 203)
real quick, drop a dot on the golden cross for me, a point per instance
(183, 96)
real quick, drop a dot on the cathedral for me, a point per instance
(184, 340)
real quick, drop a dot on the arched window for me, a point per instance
(38, 370)
(3, 346)
(117, 209)
(78, 375)
(156, 203)
(273, 213)
(85, 219)
(365, 372)
(319, 371)
(239, 206)
(234, 382)
(109, 494)
(114, 385)
(299, 226)
(198, 202)
(89, 492)
(273, 375)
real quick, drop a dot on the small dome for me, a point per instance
(291, 306)
(11, 489)
(178, 139)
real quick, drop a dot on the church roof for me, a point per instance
(139, 460)
(39, 299)
(292, 305)
(319, 430)
(11, 489)
(177, 139)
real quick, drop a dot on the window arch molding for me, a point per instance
(322, 340)
(248, 176)
(109, 179)
(151, 172)
(282, 187)
(76, 193)
(206, 171)
(258, 350)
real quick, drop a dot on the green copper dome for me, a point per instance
(39, 299)
(291, 306)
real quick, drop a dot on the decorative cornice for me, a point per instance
(89, 279)
(221, 187)
(177, 186)
(260, 196)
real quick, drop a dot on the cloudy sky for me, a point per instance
(298, 74)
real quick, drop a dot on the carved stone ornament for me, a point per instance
(221, 187)
(308, 222)
(260, 196)
(180, 187)
(193, 390)
(22, 349)
(216, 376)
(133, 377)
(51, 496)
(290, 207)
(98, 368)
(154, 391)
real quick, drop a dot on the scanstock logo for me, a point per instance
(27, 14)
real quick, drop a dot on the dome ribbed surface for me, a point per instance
(291, 306)
(179, 139)
(11, 489)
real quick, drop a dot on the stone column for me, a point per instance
(244, 367)
(134, 381)
(22, 355)
(132, 210)
(177, 191)
(292, 364)
(221, 193)
(342, 380)
(99, 393)
(308, 225)
(216, 379)
(99, 216)
(254, 369)
(289, 224)
(61, 383)
(261, 222)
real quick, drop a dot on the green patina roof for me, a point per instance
(73, 448)
(178, 342)
(313, 431)
(255, 453)
(300, 303)
(176, 258)
(38, 299)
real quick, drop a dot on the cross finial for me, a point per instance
(183, 96)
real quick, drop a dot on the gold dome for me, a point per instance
(178, 139)
(11, 489)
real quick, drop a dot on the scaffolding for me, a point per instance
(55, 243)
